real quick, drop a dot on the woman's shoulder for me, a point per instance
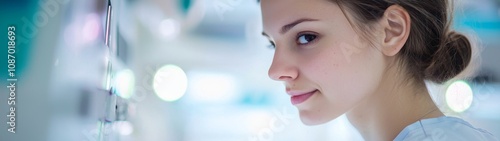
(442, 129)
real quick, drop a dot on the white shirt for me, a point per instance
(443, 129)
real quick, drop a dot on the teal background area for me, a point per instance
(11, 14)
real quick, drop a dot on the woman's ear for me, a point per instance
(396, 24)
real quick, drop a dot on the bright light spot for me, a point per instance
(124, 83)
(212, 87)
(170, 83)
(169, 28)
(90, 29)
(125, 128)
(459, 96)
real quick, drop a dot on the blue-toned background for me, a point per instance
(185, 70)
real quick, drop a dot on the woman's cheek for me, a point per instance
(347, 72)
(362, 73)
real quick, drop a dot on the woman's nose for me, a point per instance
(282, 68)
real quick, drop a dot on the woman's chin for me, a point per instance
(311, 120)
(310, 123)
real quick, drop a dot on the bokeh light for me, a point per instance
(170, 83)
(125, 128)
(459, 96)
(90, 30)
(169, 28)
(124, 83)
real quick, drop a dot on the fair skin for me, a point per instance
(318, 53)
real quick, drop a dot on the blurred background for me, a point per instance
(185, 70)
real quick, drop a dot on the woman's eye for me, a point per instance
(272, 45)
(305, 39)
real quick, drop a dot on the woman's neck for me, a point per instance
(395, 105)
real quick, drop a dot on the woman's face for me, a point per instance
(325, 65)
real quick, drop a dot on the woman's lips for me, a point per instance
(300, 98)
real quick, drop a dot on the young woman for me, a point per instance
(369, 59)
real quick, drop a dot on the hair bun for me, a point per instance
(451, 58)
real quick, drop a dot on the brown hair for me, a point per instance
(432, 51)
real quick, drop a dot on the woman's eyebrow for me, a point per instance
(289, 26)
